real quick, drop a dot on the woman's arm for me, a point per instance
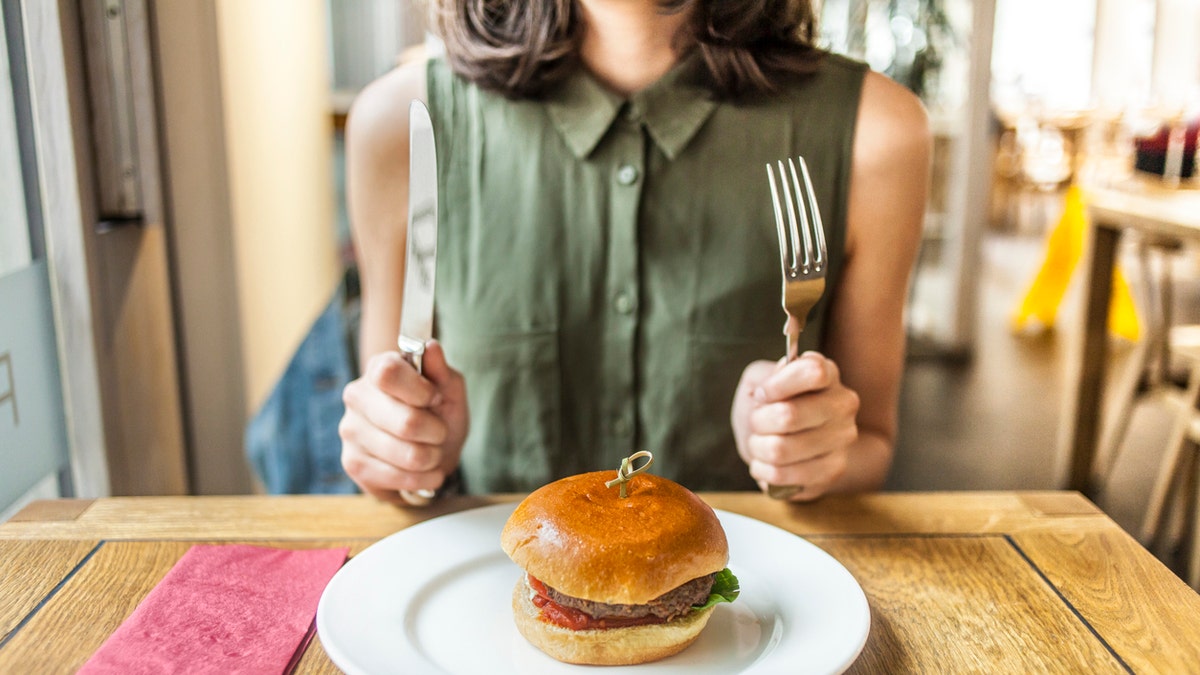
(377, 198)
(402, 430)
(827, 422)
(889, 190)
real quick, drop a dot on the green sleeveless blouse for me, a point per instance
(607, 266)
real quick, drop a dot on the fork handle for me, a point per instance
(793, 338)
(784, 492)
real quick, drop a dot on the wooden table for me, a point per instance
(1132, 205)
(957, 582)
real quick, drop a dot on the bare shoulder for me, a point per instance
(891, 119)
(889, 182)
(378, 121)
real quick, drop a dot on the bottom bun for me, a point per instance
(606, 646)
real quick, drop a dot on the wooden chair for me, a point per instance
(1173, 512)
(1164, 368)
(1149, 372)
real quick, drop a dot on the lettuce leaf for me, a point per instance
(725, 589)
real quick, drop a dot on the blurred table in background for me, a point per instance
(1136, 204)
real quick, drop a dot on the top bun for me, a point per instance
(579, 537)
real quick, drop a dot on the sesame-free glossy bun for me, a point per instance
(606, 646)
(578, 536)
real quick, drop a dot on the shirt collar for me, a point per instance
(672, 110)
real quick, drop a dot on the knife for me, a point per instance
(420, 260)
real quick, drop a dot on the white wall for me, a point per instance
(1176, 79)
(14, 229)
(275, 83)
(1043, 53)
(1123, 49)
(248, 144)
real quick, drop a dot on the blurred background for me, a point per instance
(172, 224)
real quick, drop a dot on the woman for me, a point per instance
(608, 276)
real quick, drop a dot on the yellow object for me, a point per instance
(1064, 248)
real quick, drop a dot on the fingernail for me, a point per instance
(436, 400)
(760, 394)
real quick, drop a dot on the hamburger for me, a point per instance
(612, 580)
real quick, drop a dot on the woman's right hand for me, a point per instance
(402, 431)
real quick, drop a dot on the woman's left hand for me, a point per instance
(794, 423)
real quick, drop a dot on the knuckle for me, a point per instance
(840, 463)
(352, 463)
(775, 475)
(405, 425)
(832, 371)
(416, 393)
(852, 402)
(436, 433)
(774, 449)
(787, 417)
(376, 364)
(424, 457)
(346, 429)
(851, 433)
(760, 471)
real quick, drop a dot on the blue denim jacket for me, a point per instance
(292, 441)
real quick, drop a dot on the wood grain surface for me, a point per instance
(1149, 618)
(974, 600)
(957, 582)
(29, 571)
(311, 516)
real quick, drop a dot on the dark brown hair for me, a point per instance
(521, 48)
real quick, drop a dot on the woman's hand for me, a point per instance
(795, 423)
(402, 431)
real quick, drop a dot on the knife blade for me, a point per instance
(420, 259)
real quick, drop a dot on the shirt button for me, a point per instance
(624, 303)
(621, 426)
(627, 174)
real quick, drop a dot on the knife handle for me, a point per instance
(413, 351)
(418, 497)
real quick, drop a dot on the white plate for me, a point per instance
(436, 598)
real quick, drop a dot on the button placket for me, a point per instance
(623, 284)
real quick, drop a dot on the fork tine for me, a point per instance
(794, 248)
(779, 225)
(793, 227)
(818, 227)
(806, 230)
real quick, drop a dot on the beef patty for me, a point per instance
(666, 606)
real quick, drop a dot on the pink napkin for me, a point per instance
(223, 609)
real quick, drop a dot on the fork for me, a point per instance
(803, 256)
